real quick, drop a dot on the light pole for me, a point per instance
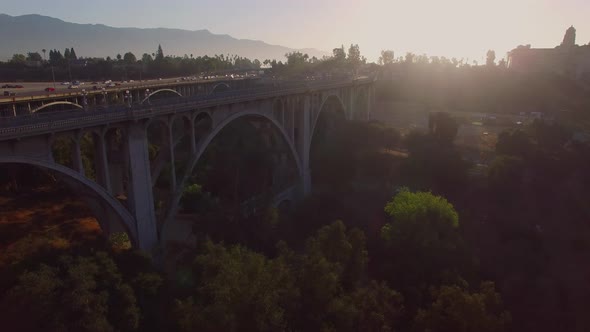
(147, 95)
(104, 97)
(84, 99)
(53, 76)
(128, 98)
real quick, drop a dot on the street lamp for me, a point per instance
(104, 97)
(128, 98)
(84, 99)
(147, 95)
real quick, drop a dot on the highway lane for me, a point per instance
(32, 89)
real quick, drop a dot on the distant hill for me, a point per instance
(22, 34)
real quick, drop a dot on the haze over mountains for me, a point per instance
(37, 32)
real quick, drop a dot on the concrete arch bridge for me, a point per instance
(124, 165)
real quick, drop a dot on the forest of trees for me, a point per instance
(67, 65)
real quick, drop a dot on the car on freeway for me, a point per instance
(50, 89)
(73, 86)
(95, 87)
(65, 83)
(108, 82)
(9, 93)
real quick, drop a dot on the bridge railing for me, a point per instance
(32, 123)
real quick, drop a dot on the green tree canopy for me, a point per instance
(387, 57)
(82, 293)
(422, 244)
(129, 58)
(238, 290)
(34, 56)
(455, 309)
(18, 58)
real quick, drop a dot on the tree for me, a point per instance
(55, 57)
(73, 55)
(346, 249)
(119, 57)
(422, 245)
(146, 58)
(455, 309)
(378, 307)
(82, 293)
(129, 58)
(443, 128)
(354, 56)
(159, 54)
(67, 55)
(34, 56)
(491, 58)
(387, 57)
(238, 290)
(18, 59)
(339, 54)
(296, 58)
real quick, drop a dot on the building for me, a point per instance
(566, 59)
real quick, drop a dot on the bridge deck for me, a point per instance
(35, 124)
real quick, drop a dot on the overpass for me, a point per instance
(124, 165)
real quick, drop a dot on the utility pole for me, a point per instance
(53, 76)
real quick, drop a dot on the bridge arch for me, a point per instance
(160, 91)
(56, 103)
(76, 182)
(203, 144)
(331, 98)
(220, 87)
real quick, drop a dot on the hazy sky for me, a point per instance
(452, 28)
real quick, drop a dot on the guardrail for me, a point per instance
(32, 124)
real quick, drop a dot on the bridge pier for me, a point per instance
(102, 166)
(141, 200)
(77, 156)
(304, 144)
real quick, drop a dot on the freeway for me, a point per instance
(35, 90)
(33, 124)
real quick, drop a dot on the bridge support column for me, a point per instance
(304, 144)
(172, 160)
(141, 201)
(77, 157)
(102, 164)
(371, 101)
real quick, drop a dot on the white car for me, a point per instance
(65, 83)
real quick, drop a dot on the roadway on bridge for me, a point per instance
(37, 89)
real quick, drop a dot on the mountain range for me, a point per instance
(32, 33)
